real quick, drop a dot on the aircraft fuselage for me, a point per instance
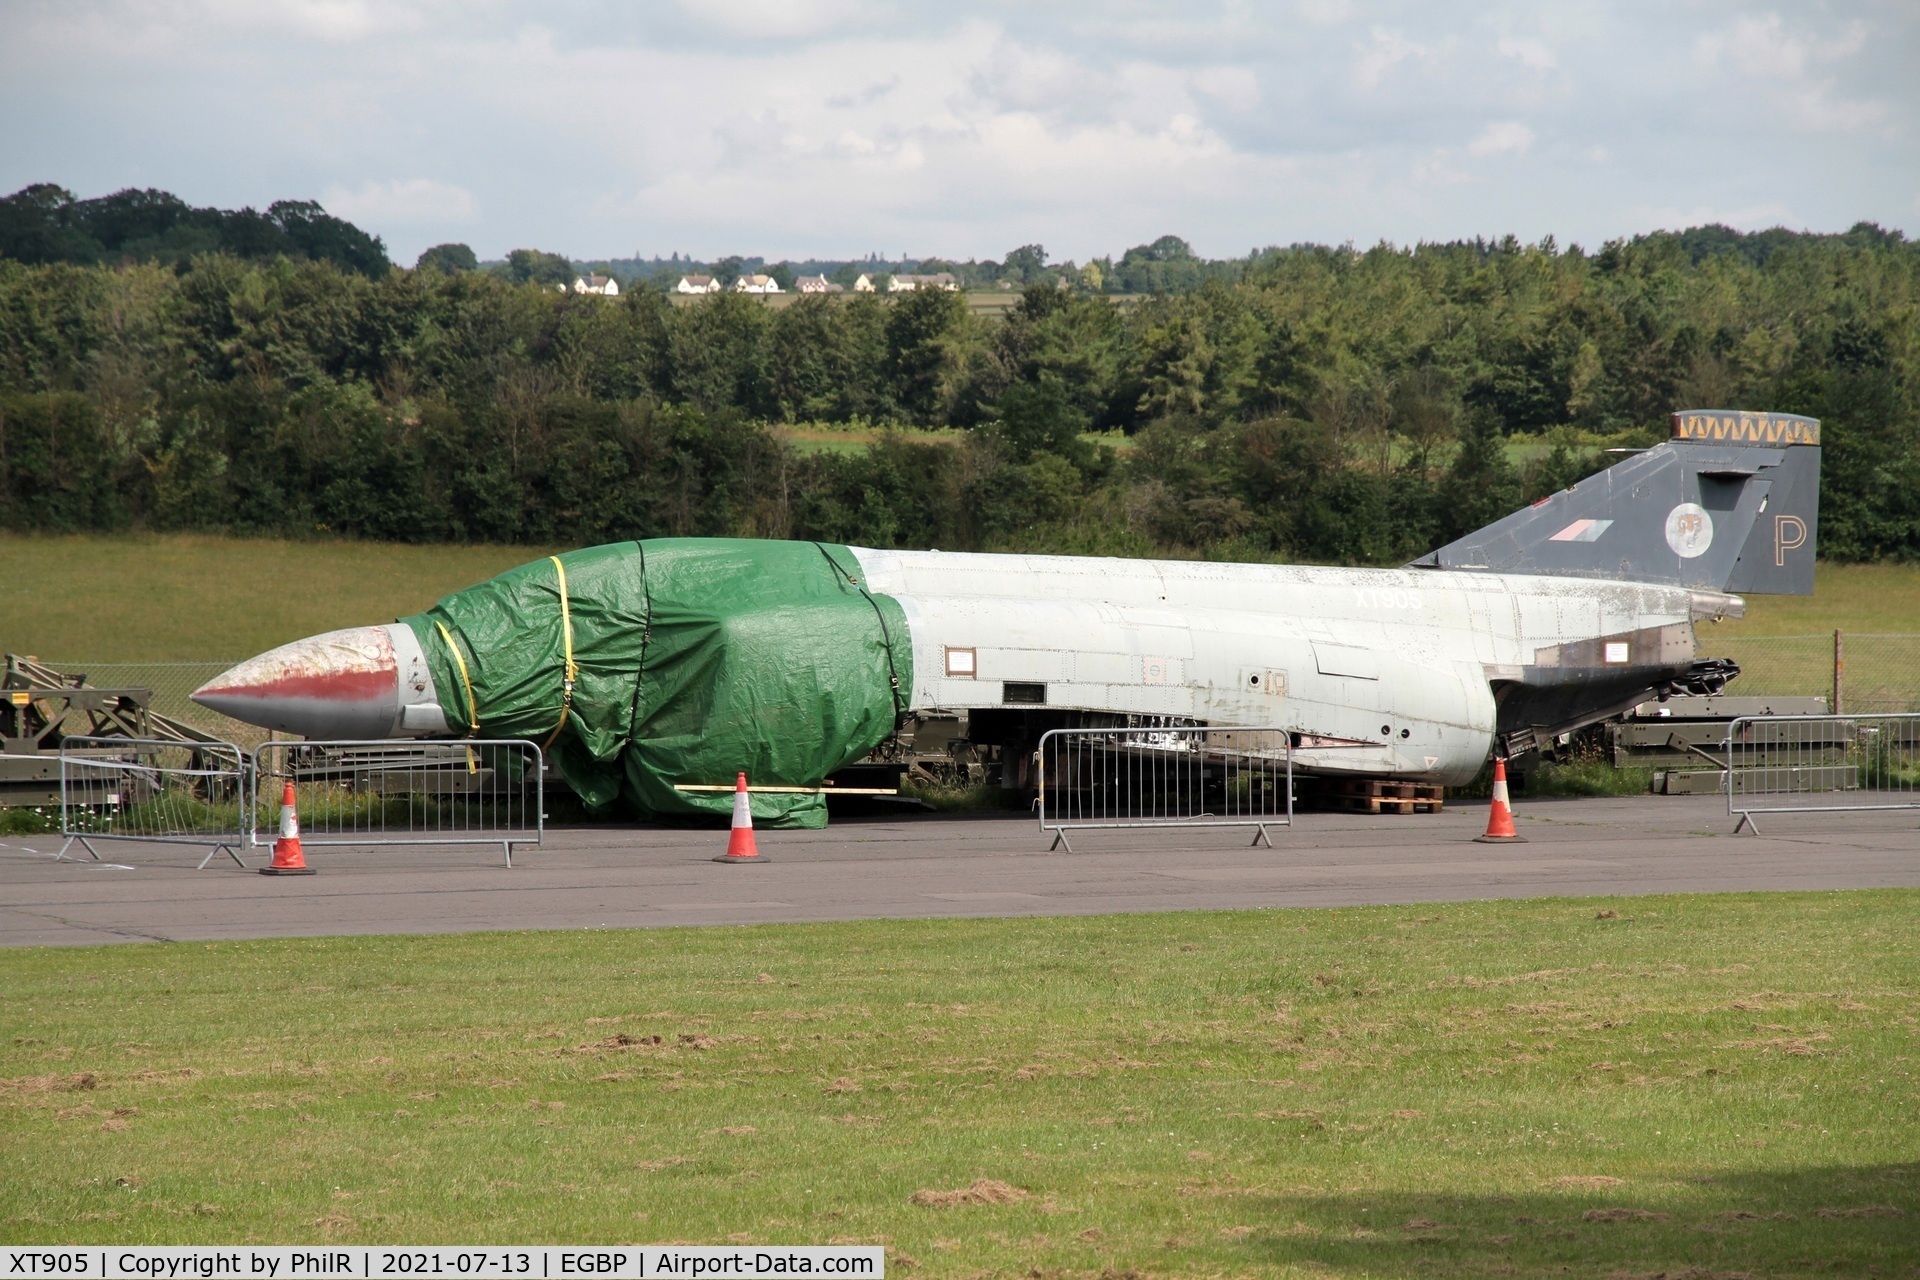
(1407, 661)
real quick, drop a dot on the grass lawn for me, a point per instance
(1589, 1087)
(1853, 597)
(1785, 643)
(190, 597)
(833, 437)
(850, 438)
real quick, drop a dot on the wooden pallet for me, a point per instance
(1374, 795)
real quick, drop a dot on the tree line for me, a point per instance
(46, 223)
(1167, 265)
(1321, 403)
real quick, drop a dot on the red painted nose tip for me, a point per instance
(343, 684)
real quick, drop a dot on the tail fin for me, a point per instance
(1730, 503)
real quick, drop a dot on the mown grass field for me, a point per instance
(174, 597)
(1588, 1087)
(1785, 643)
(857, 437)
(190, 597)
(1854, 597)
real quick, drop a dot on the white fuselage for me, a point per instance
(1395, 658)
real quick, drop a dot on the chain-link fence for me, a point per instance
(1877, 672)
(171, 683)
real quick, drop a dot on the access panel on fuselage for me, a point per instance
(1056, 653)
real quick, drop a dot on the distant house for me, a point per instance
(591, 283)
(864, 284)
(757, 284)
(817, 284)
(938, 280)
(697, 284)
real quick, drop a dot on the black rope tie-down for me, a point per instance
(886, 635)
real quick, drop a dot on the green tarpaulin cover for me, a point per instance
(693, 659)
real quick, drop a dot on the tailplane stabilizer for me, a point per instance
(1731, 502)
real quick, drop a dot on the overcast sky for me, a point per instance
(795, 128)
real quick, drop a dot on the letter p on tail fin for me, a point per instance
(1731, 502)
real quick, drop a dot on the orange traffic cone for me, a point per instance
(287, 858)
(1500, 820)
(740, 845)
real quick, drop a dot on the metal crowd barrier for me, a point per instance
(152, 790)
(1821, 764)
(1165, 777)
(474, 791)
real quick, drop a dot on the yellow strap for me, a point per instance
(566, 631)
(473, 714)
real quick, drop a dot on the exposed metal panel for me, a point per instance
(1346, 660)
(1096, 667)
(1045, 665)
(1539, 619)
(1492, 623)
(956, 695)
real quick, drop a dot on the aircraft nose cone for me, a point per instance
(342, 684)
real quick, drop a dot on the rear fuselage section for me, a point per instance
(1399, 666)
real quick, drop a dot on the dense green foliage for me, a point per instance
(448, 258)
(1324, 404)
(44, 223)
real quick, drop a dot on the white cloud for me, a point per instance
(1028, 77)
(774, 19)
(1437, 170)
(409, 201)
(330, 21)
(182, 34)
(1529, 53)
(1323, 13)
(967, 127)
(1502, 137)
(977, 138)
(1384, 51)
(1781, 65)
(867, 96)
(1235, 88)
(334, 20)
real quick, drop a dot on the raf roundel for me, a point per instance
(1689, 530)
